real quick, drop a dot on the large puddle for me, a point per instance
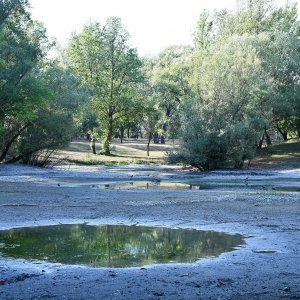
(204, 185)
(289, 185)
(114, 246)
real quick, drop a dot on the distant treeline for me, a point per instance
(223, 96)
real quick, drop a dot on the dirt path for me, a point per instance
(267, 267)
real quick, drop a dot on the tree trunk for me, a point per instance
(260, 143)
(155, 138)
(162, 137)
(121, 135)
(148, 144)
(107, 139)
(283, 132)
(10, 142)
(94, 148)
(268, 139)
(238, 164)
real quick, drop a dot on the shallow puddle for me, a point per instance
(151, 185)
(191, 184)
(114, 246)
(264, 251)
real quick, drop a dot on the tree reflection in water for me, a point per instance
(114, 245)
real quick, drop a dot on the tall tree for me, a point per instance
(245, 79)
(101, 55)
(222, 123)
(23, 43)
(54, 126)
(168, 75)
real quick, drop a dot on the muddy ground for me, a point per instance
(262, 205)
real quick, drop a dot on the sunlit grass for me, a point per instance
(280, 156)
(138, 154)
(109, 160)
(134, 152)
(287, 153)
(129, 152)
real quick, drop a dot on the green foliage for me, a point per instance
(101, 56)
(151, 116)
(242, 139)
(239, 82)
(296, 126)
(168, 80)
(23, 44)
(87, 121)
(209, 143)
(37, 101)
(54, 125)
(48, 132)
(245, 78)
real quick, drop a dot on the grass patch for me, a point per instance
(110, 160)
(285, 154)
(92, 162)
(134, 152)
(129, 152)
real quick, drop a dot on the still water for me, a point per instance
(149, 185)
(273, 184)
(114, 246)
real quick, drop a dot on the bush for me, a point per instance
(208, 142)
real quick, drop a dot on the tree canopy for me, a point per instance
(245, 83)
(223, 97)
(36, 96)
(101, 56)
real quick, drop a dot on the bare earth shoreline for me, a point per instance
(267, 267)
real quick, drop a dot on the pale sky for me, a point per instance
(153, 24)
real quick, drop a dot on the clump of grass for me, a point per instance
(144, 162)
(92, 162)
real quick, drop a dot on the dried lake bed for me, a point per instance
(262, 206)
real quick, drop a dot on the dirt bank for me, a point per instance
(267, 267)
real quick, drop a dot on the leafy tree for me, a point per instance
(54, 126)
(87, 121)
(168, 77)
(151, 116)
(209, 26)
(23, 44)
(253, 17)
(281, 55)
(101, 55)
(221, 123)
(245, 79)
(130, 119)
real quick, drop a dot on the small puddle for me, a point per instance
(264, 251)
(114, 246)
(151, 185)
